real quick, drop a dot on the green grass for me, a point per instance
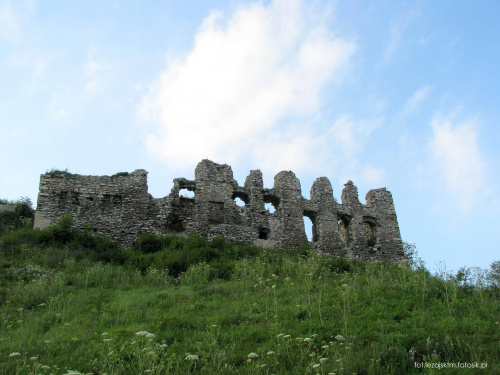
(231, 309)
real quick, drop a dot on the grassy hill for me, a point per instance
(73, 302)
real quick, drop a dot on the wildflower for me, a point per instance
(263, 365)
(314, 335)
(14, 354)
(33, 358)
(107, 340)
(323, 360)
(308, 339)
(47, 341)
(163, 345)
(316, 365)
(280, 335)
(339, 338)
(325, 346)
(191, 357)
(287, 336)
(270, 353)
(72, 372)
(253, 355)
(104, 334)
(45, 367)
(145, 334)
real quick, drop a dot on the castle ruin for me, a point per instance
(121, 208)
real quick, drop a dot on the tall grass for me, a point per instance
(76, 303)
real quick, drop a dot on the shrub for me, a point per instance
(149, 243)
(57, 172)
(21, 217)
(120, 174)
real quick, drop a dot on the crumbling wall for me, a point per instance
(118, 206)
(121, 208)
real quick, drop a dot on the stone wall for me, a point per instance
(7, 207)
(121, 208)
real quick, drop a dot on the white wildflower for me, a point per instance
(191, 357)
(104, 334)
(323, 360)
(253, 355)
(325, 346)
(270, 353)
(316, 365)
(145, 334)
(33, 358)
(14, 354)
(287, 336)
(339, 338)
(308, 339)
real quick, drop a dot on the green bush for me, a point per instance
(20, 218)
(149, 243)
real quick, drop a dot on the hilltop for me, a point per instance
(73, 301)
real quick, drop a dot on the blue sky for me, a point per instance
(403, 95)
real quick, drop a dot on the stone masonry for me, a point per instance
(121, 208)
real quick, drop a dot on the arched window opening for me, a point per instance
(263, 233)
(271, 203)
(240, 199)
(270, 208)
(343, 223)
(185, 193)
(369, 229)
(308, 225)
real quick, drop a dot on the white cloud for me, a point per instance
(373, 176)
(416, 99)
(246, 76)
(10, 24)
(454, 149)
(94, 71)
(398, 28)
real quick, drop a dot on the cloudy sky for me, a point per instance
(403, 95)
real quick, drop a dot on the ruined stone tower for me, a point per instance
(121, 208)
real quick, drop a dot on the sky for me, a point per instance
(402, 95)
